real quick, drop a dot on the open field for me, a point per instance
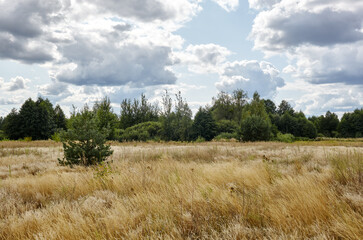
(185, 191)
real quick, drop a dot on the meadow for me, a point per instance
(215, 190)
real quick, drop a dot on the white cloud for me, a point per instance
(262, 4)
(204, 58)
(330, 98)
(97, 42)
(322, 39)
(228, 5)
(250, 76)
(16, 83)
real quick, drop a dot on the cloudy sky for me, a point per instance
(309, 52)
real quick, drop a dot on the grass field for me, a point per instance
(184, 191)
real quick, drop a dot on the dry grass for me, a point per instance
(184, 191)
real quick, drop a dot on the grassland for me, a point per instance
(184, 191)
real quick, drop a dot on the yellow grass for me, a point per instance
(184, 191)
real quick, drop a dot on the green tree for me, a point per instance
(136, 112)
(270, 106)
(12, 125)
(59, 118)
(204, 125)
(351, 124)
(256, 124)
(285, 107)
(1, 122)
(84, 143)
(183, 119)
(106, 119)
(255, 128)
(328, 124)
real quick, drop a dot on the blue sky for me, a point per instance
(309, 52)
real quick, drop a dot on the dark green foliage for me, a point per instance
(255, 128)
(35, 120)
(296, 124)
(177, 124)
(106, 119)
(204, 125)
(59, 118)
(227, 126)
(256, 124)
(11, 125)
(142, 132)
(136, 112)
(1, 122)
(229, 107)
(351, 124)
(270, 106)
(285, 107)
(83, 142)
(326, 125)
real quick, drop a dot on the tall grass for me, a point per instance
(187, 191)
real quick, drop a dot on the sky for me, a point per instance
(308, 52)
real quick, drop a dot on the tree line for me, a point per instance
(229, 116)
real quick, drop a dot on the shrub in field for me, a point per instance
(142, 132)
(226, 136)
(288, 138)
(84, 142)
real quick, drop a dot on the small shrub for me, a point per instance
(56, 137)
(226, 136)
(200, 139)
(83, 142)
(142, 132)
(288, 138)
(28, 139)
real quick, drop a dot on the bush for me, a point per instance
(142, 132)
(255, 128)
(288, 138)
(200, 139)
(226, 136)
(83, 142)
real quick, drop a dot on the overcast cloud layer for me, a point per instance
(122, 48)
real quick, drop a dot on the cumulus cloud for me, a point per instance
(54, 89)
(146, 10)
(114, 66)
(96, 42)
(228, 5)
(250, 76)
(204, 58)
(330, 98)
(262, 4)
(15, 84)
(24, 25)
(322, 39)
(280, 28)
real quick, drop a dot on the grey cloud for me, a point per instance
(20, 49)
(262, 4)
(323, 28)
(336, 77)
(107, 65)
(25, 18)
(54, 89)
(144, 10)
(17, 84)
(251, 76)
(23, 23)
